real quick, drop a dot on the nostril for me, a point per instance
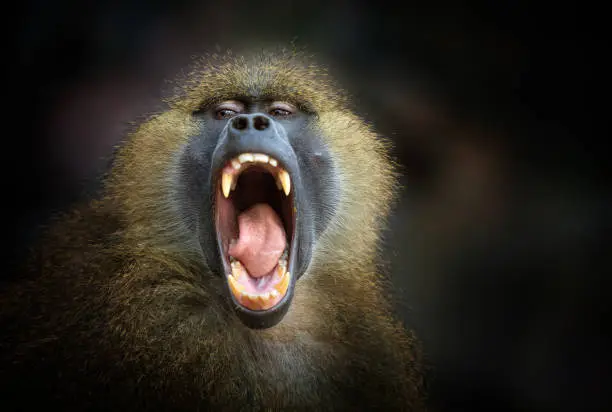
(240, 123)
(261, 123)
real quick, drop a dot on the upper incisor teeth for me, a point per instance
(253, 157)
(229, 180)
(261, 158)
(245, 157)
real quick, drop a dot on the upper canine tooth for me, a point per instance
(226, 183)
(245, 157)
(260, 158)
(285, 181)
(273, 162)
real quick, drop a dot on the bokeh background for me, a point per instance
(498, 246)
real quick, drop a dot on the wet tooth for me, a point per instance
(260, 158)
(261, 282)
(245, 157)
(234, 183)
(236, 164)
(285, 181)
(273, 162)
(279, 185)
(226, 184)
(274, 293)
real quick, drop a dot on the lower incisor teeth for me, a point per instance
(258, 301)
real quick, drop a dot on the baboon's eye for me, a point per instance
(280, 109)
(224, 114)
(228, 109)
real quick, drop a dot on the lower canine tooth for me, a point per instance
(237, 269)
(279, 185)
(235, 286)
(282, 286)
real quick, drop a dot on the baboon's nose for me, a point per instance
(245, 122)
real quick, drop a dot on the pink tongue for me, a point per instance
(261, 240)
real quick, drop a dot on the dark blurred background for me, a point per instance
(498, 249)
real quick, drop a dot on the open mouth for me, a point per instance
(255, 224)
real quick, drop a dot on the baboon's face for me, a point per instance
(260, 173)
(267, 184)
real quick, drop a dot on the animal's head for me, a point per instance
(259, 172)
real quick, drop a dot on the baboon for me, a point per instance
(230, 261)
